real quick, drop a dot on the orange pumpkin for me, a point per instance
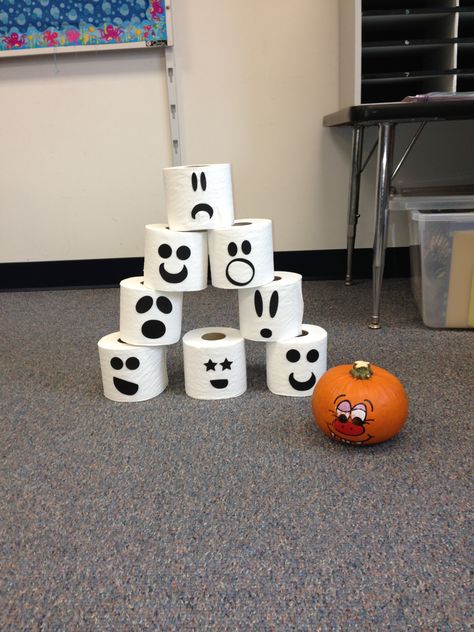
(359, 404)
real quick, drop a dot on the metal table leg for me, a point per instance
(353, 216)
(384, 171)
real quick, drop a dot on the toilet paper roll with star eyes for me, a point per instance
(295, 365)
(214, 363)
(149, 317)
(175, 261)
(131, 373)
(242, 255)
(199, 197)
(273, 311)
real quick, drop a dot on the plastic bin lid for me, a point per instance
(440, 216)
(432, 203)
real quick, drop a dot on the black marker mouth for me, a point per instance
(124, 387)
(171, 277)
(219, 383)
(246, 262)
(202, 208)
(302, 386)
(153, 329)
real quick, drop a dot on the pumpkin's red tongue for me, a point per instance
(348, 428)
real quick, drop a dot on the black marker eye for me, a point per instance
(183, 253)
(165, 251)
(194, 181)
(293, 355)
(144, 304)
(210, 365)
(116, 363)
(132, 363)
(246, 247)
(312, 355)
(232, 249)
(203, 181)
(164, 304)
(273, 303)
(257, 299)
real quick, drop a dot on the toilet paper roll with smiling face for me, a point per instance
(175, 261)
(214, 363)
(131, 373)
(273, 311)
(149, 317)
(199, 196)
(242, 255)
(295, 365)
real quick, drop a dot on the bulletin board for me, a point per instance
(55, 26)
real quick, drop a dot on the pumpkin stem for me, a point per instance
(361, 370)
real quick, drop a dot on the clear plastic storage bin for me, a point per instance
(442, 263)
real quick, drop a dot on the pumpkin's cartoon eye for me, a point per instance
(359, 412)
(343, 410)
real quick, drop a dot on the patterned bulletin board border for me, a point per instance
(40, 26)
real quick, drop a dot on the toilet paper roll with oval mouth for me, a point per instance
(214, 363)
(131, 373)
(295, 365)
(199, 196)
(242, 255)
(149, 317)
(273, 311)
(175, 261)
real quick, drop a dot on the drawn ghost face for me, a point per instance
(240, 270)
(131, 373)
(172, 267)
(149, 317)
(199, 196)
(129, 364)
(218, 378)
(302, 378)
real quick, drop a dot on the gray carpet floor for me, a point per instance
(239, 514)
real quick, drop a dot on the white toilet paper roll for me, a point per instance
(242, 255)
(273, 311)
(199, 196)
(295, 365)
(131, 373)
(214, 363)
(149, 317)
(175, 261)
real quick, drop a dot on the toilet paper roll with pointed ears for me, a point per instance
(131, 373)
(242, 255)
(199, 196)
(295, 365)
(273, 311)
(149, 317)
(214, 363)
(175, 261)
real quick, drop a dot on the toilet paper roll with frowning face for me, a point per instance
(295, 365)
(273, 311)
(242, 255)
(199, 197)
(131, 373)
(149, 317)
(214, 363)
(175, 261)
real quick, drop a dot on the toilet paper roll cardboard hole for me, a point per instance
(213, 335)
(277, 278)
(303, 333)
(243, 224)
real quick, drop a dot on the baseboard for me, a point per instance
(311, 264)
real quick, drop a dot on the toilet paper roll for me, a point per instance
(295, 365)
(214, 363)
(175, 261)
(199, 196)
(273, 311)
(242, 255)
(149, 317)
(131, 373)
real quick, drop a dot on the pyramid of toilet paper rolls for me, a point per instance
(202, 231)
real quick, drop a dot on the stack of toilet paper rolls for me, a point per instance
(201, 230)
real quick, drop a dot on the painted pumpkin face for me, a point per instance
(359, 404)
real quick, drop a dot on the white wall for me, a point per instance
(84, 137)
